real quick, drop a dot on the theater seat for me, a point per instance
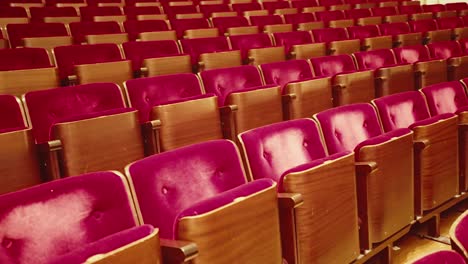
(92, 63)
(270, 23)
(447, 256)
(92, 220)
(338, 41)
(51, 14)
(235, 25)
(401, 34)
(324, 181)
(20, 166)
(257, 49)
(349, 84)
(356, 127)
(88, 125)
(390, 77)
(159, 185)
(435, 146)
(427, 71)
(98, 14)
(459, 31)
(242, 88)
(193, 28)
(299, 45)
(303, 95)
(90, 32)
(430, 31)
(164, 102)
(370, 37)
(26, 69)
(389, 14)
(450, 97)
(147, 30)
(303, 21)
(457, 62)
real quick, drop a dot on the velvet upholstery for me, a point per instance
(168, 183)
(300, 4)
(135, 27)
(137, 51)
(411, 54)
(132, 12)
(273, 5)
(446, 97)
(209, 9)
(410, 9)
(181, 25)
(449, 22)
(445, 49)
(16, 32)
(9, 11)
(69, 56)
(52, 219)
(327, 16)
(223, 82)
(459, 234)
(384, 11)
(223, 23)
(198, 46)
(433, 8)
(361, 32)
(284, 72)
(295, 19)
(394, 28)
(104, 245)
(374, 59)
(330, 2)
(262, 21)
(358, 13)
(47, 107)
(329, 34)
(252, 41)
(88, 13)
(145, 93)
(332, 65)
(173, 11)
(289, 39)
(345, 127)
(79, 30)
(97, 2)
(423, 25)
(23, 58)
(240, 8)
(402, 110)
(39, 13)
(441, 257)
(10, 111)
(456, 6)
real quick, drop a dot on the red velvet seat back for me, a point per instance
(39, 13)
(145, 93)
(223, 23)
(16, 32)
(209, 9)
(223, 82)
(456, 6)
(401, 110)
(330, 2)
(273, 5)
(80, 30)
(464, 46)
(173, 11)
(262, 21)
(361, 32)
(394, 28)
(54, 218)
(446, 97)
(374, 59)
(384, 11)
(55, 2)
(134, 2)
(411, 54)
(198, 46)
(23, 58)
(445, 49)
(346, 126)
(433, 8)
(8, 11)
(329, 34)
(137, 51)
(443, 256)
(299, 4)
(135, 27)
(295, 19)
(274, 149)
(69, 56)
(252, 41)
(89, 12)
(289, 39)
(180, 25)
(331, 65)
(410, 9)
(133, 11)
(449, 22)
(423, 25)
(11, 114)
(97, 2)
(327, 16)
(281, 73)
(51, 106)
(358, 13)
(167, 183)
(240, 8)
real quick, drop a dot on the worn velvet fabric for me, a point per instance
(145, 93)
(456, 6)
(329, 34)
(181, 25)
(446, 97)
(284, 72)
(196, 47)
(358, 13)
(252, 41)
(10, 111)
(104, 245)
(331, 65)
(137, 51)
(411, 54)
(79, 30)
(289, 39)
(433, 8)
(449, 22)
(423, 25)
(69, 56)
(39, 13)
(445, 49)
(16, 32)
(374, 59)
(88, 13)
(362, 32)
(394, 28)
(52, 219)
(223, 23)
(168, 183)
(23, 58)
(441, 257)
(46, 107)
(135, 27)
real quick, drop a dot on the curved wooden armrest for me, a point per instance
(338, 87)
(175, 251)
(365, 168)
(290, 200)
(420, 144)
(288, 97)
(227, 109)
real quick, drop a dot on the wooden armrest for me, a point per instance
(288, 97)
(54, 145)
(227, 109)
(420, 144)
(290, 200)
(175, 251)
(365, 168)
(338, 87)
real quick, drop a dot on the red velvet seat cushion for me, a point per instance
(223, 23)
(441, 257)
(332, 65)
(329, 34)
(11, 115)
(446, 97)
(181, 25)
(375, 59)
(9, 11)
(88, 13)
(16, 32)
(23, 58)
(133, 11)
(445, 49)
(411, 54)
(289, 39)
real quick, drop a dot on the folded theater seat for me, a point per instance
(299, 45)
(457, 61)
(89, 32)
(257, 49)
(401, 34)
(292, 154)
(370, 37)
(337, 40)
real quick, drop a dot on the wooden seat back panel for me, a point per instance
(217, 60)
(382, 42)
(307, 51)
(357, 87)
(158, 35)
(431, 72)
(168, 65)
(396, 18)
(234, 31)
(394, 79)
(342, 23)
(460, 33)
(65, 20)
(364, 21)
(349, 46)
(118, 38)
(307, 26)
(421, 16)
(201, 33)
(20, 82)
(117, 72)
(266, 55)
(278, 28)
(457, 68)
(410, 39)
(439, 35)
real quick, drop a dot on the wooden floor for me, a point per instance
(414, 245)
